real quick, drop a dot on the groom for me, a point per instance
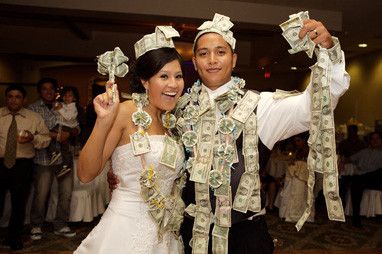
(229, 135)
(214, 59)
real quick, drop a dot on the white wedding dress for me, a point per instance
(126, 227)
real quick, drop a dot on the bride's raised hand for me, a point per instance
(104, 105)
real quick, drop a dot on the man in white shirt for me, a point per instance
(277, 119)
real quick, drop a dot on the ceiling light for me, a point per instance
(362, 45)
(293, 68)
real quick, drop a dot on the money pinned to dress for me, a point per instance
(291, 29)
(113, 63)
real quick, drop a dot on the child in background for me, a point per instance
(66, 121)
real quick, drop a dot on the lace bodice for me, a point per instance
(128, 167)
(126, 226)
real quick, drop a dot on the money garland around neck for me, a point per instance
(210, 130)
(166, 211)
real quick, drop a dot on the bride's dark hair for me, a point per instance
(149, 64)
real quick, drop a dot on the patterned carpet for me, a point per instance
(326, 235)
(321, 235)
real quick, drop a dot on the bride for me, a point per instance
(146, 209)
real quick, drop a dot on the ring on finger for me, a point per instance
(315, 32)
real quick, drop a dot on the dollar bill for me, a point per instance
(244, 191)
(140, 143)
(292, 22)
(255, 199)
(245, 106)
(175, 218)
(204, 102)
(291, 29)
(220, 232)
(200, 170)
(238, 130)
(220, 239)
(183, 101)
(202, 220)
(223, 211)
(170, 153)
(202, 195)
(291, 35)
(199, 244)
(191, 210)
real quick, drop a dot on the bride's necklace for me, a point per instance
(159, 205)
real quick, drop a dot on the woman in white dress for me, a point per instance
(293, 196)
(146, 209)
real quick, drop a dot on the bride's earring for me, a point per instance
(147, 93)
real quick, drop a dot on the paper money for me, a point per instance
(202, 220)
(220, 239)
(223, 211)
(204, 102)
(190, 210)
(281, 94)
(113, 63)
(224, 102)
(293, 22)
(291, 29)
(322, 155)
(200, 169)
(183, 101)
(204, 153)
(199, 244)
(173, 222)
(207, 130)
(215, 178)
(221, 232)
(244, 192)
(225, 188)
(219, 245)
(291, 35)
(140, 143)
(255, 199)
(170, 152)
(245, 106)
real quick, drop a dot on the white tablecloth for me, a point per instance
(371, 203)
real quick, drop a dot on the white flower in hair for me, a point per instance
(162, 38)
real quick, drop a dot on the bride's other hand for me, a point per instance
(112, 179)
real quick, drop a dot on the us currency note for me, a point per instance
(140, 143)
(170, 153)
(199, 244)
(291, 28)
(246, 106)
(220, 239)
(202, 220)
(243, 193)
(223, 211)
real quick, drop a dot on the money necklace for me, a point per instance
(226, 127)
(166, 211)
(198, 120)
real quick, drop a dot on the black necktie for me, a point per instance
(11, 145)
